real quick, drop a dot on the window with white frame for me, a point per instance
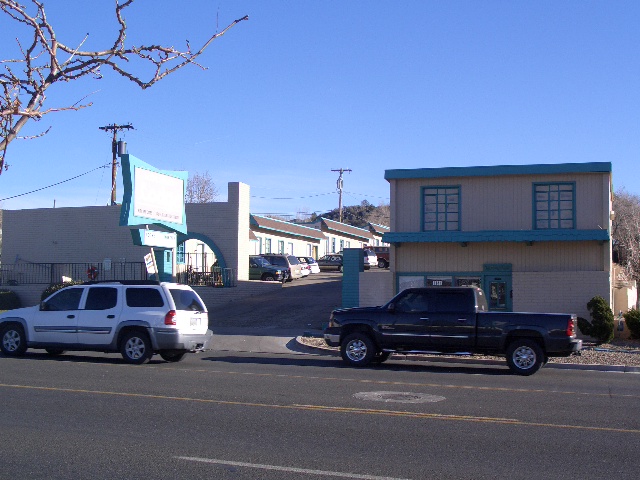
(267, 245)
(281, 247)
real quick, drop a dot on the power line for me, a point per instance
(339, 184)
(53, 185)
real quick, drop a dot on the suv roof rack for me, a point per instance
(124, 282)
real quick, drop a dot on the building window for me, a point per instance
(180, 253)
(554, 205)
(348, 244)
(333, 245)
(441, 206)
(290, 245)
(281, 247)
(259, 239)
(267, 245)
(342, 245)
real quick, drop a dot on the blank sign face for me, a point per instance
(157, 196)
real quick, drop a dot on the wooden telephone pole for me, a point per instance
(114, 149)
(339, 185)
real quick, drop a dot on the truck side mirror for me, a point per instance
(391, 307)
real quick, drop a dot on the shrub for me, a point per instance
(54, 287)
(632, 317)
(9, 300)
(602, 324)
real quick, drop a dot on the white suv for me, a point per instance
(135, 318)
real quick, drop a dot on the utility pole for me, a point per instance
(339, 184)
(114, 149)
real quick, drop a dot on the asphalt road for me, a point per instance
(232, 415)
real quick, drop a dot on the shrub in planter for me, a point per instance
(55, 287)
(632, 317)
(9, 300)
(602, 324)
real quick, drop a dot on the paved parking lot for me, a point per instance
(303, 304)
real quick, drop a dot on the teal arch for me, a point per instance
(207, 241)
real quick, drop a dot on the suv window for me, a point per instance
(293, 260)
(101, 298)
(281, 262)
(68, 299)
(186, 300)
(144, 297)
(259, 261)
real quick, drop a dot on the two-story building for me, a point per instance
(534, 237)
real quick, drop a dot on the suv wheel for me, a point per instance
(382, 264)
(135, 347)
(14, 342)
(268, 277)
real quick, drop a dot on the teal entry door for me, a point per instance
(498, 291)
(164, 260)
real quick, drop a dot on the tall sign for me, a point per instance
(152, 196)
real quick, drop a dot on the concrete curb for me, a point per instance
(477, 361)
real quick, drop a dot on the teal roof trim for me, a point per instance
(498, 236)
(491, 171)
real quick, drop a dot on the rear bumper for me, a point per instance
(169, 339)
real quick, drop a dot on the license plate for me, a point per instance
(195, 322)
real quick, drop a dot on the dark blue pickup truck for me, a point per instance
(450, 320)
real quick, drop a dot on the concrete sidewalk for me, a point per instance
(261, 340)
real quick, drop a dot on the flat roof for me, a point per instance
(491, 171)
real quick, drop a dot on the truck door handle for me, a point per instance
(111, 316)
(424, 318)
(462, 320)
(71, 316)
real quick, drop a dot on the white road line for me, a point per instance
(288, 469)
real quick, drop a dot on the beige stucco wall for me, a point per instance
(502, 202)
(541, 256)
(375, 288)
(91, 234)
(558, 292)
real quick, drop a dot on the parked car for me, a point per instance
(289, 262)
(261, 269)
(136, 318)
(306, 270)
(313, 265)
(370, 258)
(383, 256)
(330, 262)
(458, 321)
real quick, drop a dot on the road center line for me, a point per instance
(307, 471)
(329, 409)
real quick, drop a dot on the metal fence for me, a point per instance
(48, 273)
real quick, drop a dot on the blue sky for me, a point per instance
(305, 87)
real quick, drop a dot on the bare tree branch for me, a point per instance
(22, 93)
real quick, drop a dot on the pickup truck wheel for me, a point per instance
(14, 342)
(135, 347)
(172, 356)
(524, 356)
(358, 349)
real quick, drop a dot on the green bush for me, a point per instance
(55, 287)
(602, 324)
(9, 300)
(632, 317)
